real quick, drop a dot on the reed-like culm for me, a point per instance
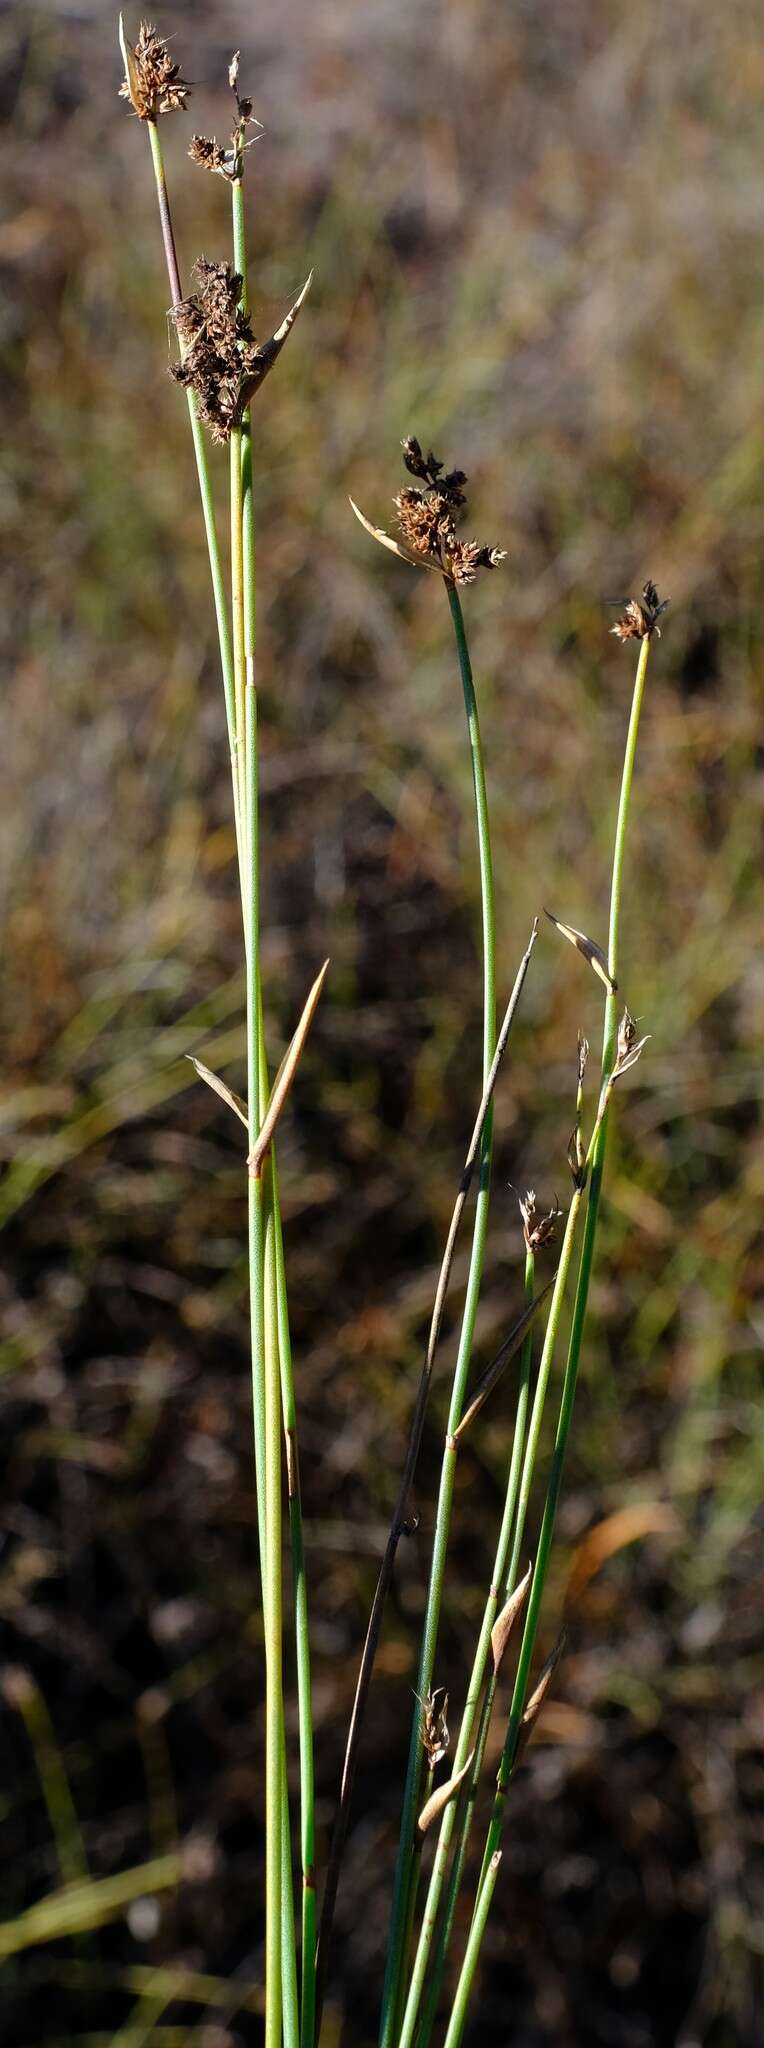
(222, 368)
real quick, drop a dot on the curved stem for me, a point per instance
(403, 1878)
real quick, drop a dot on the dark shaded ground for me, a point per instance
(536, 235)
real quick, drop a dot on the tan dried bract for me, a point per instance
(152, 82)
(641, 615)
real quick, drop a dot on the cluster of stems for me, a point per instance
(419, 1938)
(289, 2008)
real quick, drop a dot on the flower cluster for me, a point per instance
(538, 1231)
(152, 83)
(220, 359)
(206, 150)
(641, 615)
(219, 348)
(427, 517)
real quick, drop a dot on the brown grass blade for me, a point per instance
(441, 1798)
(285, 1077)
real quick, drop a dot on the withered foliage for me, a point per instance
(641, 615)
(222, 362)
(152, 82)
(427, 517)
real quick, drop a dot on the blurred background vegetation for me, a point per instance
(537, 238)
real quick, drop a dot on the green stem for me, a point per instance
(248, 524)
(597, 1159)
(200, 451)
(274, 1702)
(396, 1957)
(237, 605)
(472, 1952)
(302, 1642)
(465, 1809)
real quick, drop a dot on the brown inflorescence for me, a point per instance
(427, 517)
(220, 352)
(152, 83)
(641, 615)
(206, 150)
(538, 1230)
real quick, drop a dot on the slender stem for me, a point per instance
(237, 603)
(245, 567)
(302, 1640)
(466, 1808)
(398, 1522)
(596, 1164)
(200, 451)
(291, 2010)
(472, 1952)
(240, 266)
(396, 1955)
(274, 1702)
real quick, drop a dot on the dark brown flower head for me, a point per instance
(152, 83)
(218, 346)
(538, 1231)
(428, 517)
(221, 360)
(206, 150)
(641, 615)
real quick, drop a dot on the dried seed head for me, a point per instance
(427, 517)
(628, 1048)
(538, 1231)
(152, 83)
(227, 163)
(221, 360)
(243, 104)
(641, 615)
(206, 151)
(435, 1735)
